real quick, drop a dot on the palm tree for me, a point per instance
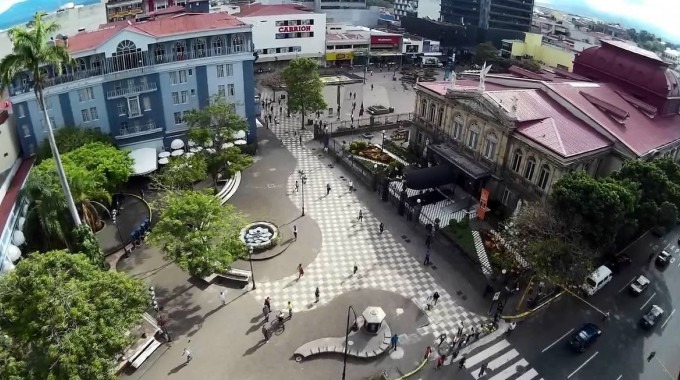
(31, 52)
(86, 191)
(47, 209)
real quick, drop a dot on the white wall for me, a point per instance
(9, 144)
(265, 30)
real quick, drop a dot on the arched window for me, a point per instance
(82, 65)
(423, 107)
(199, 48)
(440, 116)
(516, 164)
(126, 47)
(178, 49)
(159, 53)
(127, 56)
(490, 146)
(217, 45)
(473, 136)
(458, 127)
(431, 114)
(236, 43)
(544, 177)
(530, 169)
(96, 64)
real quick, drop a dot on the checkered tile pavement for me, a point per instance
(383, 263)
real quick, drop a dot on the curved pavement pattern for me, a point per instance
(383, 261)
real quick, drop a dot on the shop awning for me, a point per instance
(144, 161)
(467, 165)
(420, 179)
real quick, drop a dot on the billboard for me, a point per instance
(385, 40)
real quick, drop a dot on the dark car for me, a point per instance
(616, 263)
(584, 337)
(664, 259)
(651, 317)
(639, 285)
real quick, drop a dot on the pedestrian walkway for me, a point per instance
(382, 260)
(503, 362)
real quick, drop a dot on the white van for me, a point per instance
(597, 280)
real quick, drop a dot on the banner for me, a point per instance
(339, 56)
(483, 201)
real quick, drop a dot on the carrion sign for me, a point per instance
(295, 29)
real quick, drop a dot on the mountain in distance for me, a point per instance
(582, 8)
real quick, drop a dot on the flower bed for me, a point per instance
(370, 152)
(260, 235)
(460, 233)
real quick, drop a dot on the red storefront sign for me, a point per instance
(385, 40)
(483, 201)
(295, 29)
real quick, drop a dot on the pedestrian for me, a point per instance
(428, 302)
(297, 186)
(482, 369)
(355, 95)
(270, 118)
(282, 321)
(301, 271)
(461, 363)
(428, 241)
(356, 268)
(371, 85)
(265, 312)
(141, 193)
(511, 327)
(440, 361)
(223, 296)
(360, 218)
(187, 353)
(301, 139)
(295, 232)
(651, 356)
(455, 340)
(394, 340)
(325, 149)
(290, 310)
(268, 303)
(435, 297)
(477, 331)
(328, 185)
(317, 294)
(351, 185)
(428, 351)
(605, 316)
(427, 259)
(487, 290)
(467, 339)
(280, 109)
(265, 332)
(382, 227)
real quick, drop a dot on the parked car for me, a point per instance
(616, 263)
(585, 337)
(639, 285)
(664, 259)
(651, 317)
(367, 135)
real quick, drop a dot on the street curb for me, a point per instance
(416, 370)
(537, 308)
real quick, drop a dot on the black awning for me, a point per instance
(467, 165)
(419, 179)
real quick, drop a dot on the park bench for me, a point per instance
(231, 274)
(146, 350)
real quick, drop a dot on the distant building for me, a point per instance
(534, 46)
(136, 81)
(489, 14)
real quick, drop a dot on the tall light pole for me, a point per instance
(382, 146)
(303, 179)
(120, 236)
(344, 356)
(250, 258)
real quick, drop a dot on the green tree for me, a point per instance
(273, 80)
(69, 138)
(486, 52)
(197, 233)
(304, 86)
(110, 165)
(64, 318)
(181, 173)
(215, 126)
(602, 206)
(47, 209)
(668, 215)
(32, 50)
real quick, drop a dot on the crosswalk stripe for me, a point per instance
(506, 373)
(530, 374)
(483, 355)
(503, 359)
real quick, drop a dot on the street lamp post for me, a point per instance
(250, 258)
(120, 236)
(303, 179)
(382, 146)
(344, 357)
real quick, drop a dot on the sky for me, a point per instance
(661, 17)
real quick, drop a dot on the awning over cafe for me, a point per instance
(467, 165)
(419, 179)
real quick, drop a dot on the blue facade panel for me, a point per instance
(24, 125)
(118, 108)
(249, 99)
(66, 110)
(202, 86)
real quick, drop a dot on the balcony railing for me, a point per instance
(138, 130)
(522, 183)
(129, 91)
(132, 65)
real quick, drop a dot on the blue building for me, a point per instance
(136, 80)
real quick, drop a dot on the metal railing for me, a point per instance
(138, 129)
(134, 90)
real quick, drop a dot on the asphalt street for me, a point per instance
(623, 349)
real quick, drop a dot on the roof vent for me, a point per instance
(617, 114)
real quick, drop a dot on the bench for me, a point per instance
(231, 274)
(149, 349)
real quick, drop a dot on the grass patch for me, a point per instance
(460, 233)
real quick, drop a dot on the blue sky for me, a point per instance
(662, 17)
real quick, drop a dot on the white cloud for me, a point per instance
(664, 14)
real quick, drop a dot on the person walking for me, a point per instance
(328, 185)
(295, 232)
(440, 361)
(281, 320)
(511, 327)
(265, 332)
(461, 363)
(300, 138)
(651, 356)
(381, 227)
(371, 84)
(428, 241)
(435, 297)
(427, 258)
(482, 369)
(301, 272)
(428, 352)
(351, 185)
(265, 313)
(223, 296)
(268, 303)
(317, 294)
(360, 218)
(356, 268)
(394, 340)
(187, 353)
(297, 186)
(290, 310)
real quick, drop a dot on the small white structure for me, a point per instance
(177, 144)
(144, 161)
(177, 153)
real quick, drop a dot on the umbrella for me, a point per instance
(191, 143)
(163, 161)
(177, 153)
(188, 154)
(163, 154)
(240, 142)
(208, 144)
(239, 135)
(13, 253)
(177, 144)
(227, 145)
(196, 149)
(210, 150)
(18, 238)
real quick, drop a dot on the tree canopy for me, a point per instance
(198, 233)
(486, 52)
(304, 86)
(64, 318)
(111, 166)
(215, 126)
(69, 138)
(181, 173)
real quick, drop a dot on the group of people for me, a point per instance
(280, 318)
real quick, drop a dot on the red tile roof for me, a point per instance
(442, 87)
(259, 10)
(158, 27)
